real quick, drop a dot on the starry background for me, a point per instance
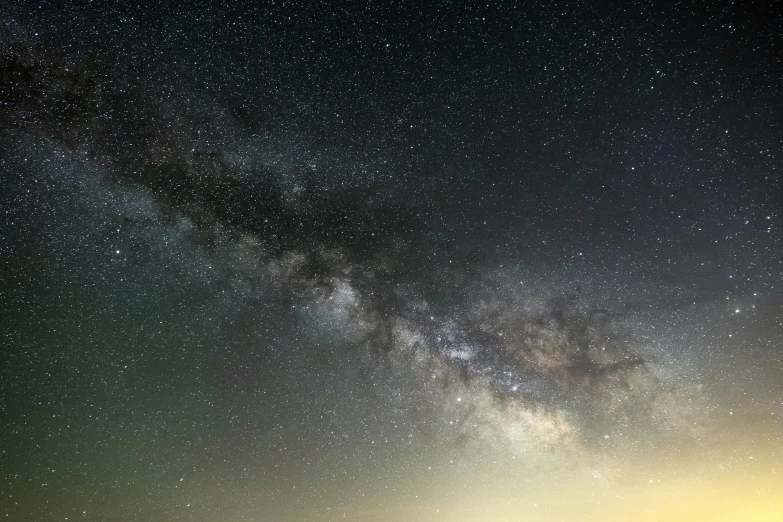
(391, 261)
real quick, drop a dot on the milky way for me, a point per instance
(391, 262)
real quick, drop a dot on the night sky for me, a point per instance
(391, 261)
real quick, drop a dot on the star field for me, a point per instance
(391, 261)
